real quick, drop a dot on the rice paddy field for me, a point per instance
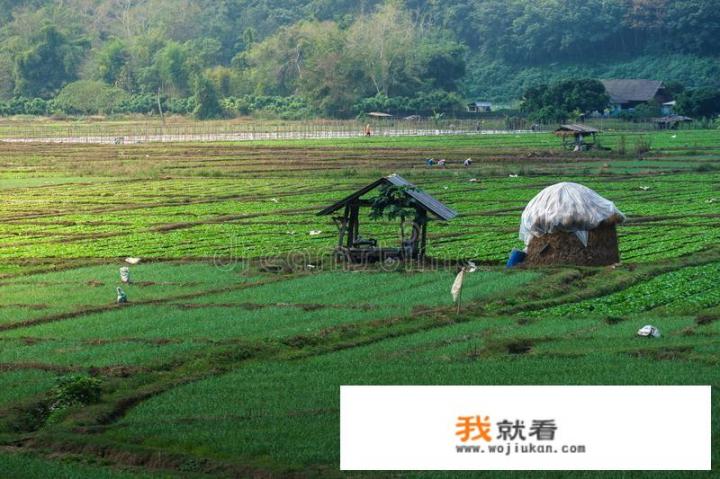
(240, 327)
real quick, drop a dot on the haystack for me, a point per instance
(568, 223)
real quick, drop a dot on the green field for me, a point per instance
(240, 328)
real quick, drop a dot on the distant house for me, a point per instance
(479, 107)
(380, 115)
(627, 94)
(668, 108)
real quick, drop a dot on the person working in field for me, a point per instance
(368, 131)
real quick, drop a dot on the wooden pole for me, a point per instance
(354, 227)
(423, 234)
(344, 227)
(459, 301)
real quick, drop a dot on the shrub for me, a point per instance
(26, 106)
(144, 103)
(622, 145)
(424, 103)
(554, 101)
(287, 108)
(628, 115)
(89, 97)
(549, 114)
(207, 104)
(703, 102)
(648, 110)
(642, 145)
(179, 106)
(75, 390)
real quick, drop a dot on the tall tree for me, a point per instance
(173, 69)
(383, 42)
(206, 99)
(48, 64)
(111, 63)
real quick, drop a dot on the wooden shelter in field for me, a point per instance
(353, 247)
(479, 107)
(670, 122)
(575, 134)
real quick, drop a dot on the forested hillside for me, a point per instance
(340, 57)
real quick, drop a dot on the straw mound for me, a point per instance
(565, 248)
(566, 207)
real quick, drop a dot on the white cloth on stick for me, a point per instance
(457, 285)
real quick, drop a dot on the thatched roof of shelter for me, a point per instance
(423, 199)
(672, 119)
(575, 129)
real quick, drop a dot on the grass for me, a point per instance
(199, 218)
(688, 289)
(16, 386)
(227, 361)
(93, 288)
(23, 465)
(135, 333)
(248, 416)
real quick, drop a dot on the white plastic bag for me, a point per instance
(649, 331)
(568, 207)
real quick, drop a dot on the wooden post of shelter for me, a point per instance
(423, 234)
(354, 223)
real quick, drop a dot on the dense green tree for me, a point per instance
(693, 25)
(7, 81)
(206, 99)
(703, 102)
(89, 97)
(351, 50)
(50, 62)
(173, 68)
(329, 78)
(558, 101)
(383, 43)
(442, 63)
(112, 63)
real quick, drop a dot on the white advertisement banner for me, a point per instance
(525, 428)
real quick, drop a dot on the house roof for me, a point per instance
(626, 91)
(429, 203)
(575, 129)
(378, 114)
(481, 104)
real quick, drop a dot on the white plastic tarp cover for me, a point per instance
(568, 207)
